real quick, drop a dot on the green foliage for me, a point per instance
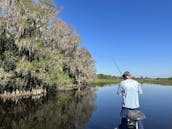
(162, 81)
(103, 76)
(8, 61)
(170, 78)
(37, 49)
(5, 77)
(102, 79)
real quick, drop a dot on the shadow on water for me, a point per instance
(59, 111)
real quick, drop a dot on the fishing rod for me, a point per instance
(142, 79)
(117, 67)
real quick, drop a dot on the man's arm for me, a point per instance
(119, 91)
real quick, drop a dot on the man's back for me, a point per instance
(129, 89)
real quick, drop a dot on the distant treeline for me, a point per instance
(104, 76)
(163, 81)
(169, 78)
(102, 79)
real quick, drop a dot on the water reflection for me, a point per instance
(77, 110)
(62, 111)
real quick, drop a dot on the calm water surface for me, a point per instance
(96, 108)
(156, 104)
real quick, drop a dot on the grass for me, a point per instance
(108, 79)
(155, 81)
(101, 82)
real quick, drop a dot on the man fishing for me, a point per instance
(129, 89)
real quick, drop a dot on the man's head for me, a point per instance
(126, 75)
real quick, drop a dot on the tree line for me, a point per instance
(37, 49)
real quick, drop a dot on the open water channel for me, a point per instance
(96, 108)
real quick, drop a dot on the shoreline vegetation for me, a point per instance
(16, 95)
(162, 81)
(39, 50)
(103, 79)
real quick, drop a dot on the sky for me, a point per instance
(136, 34)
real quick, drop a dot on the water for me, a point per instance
(97, 108)
(156, 104)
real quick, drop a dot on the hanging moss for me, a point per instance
(38, 50)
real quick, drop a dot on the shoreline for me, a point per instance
(36, 93)
(115, 81)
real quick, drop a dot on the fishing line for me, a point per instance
(117, 67)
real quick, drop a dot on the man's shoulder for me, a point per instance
(135, 82)
(129, 81)
(122, 82)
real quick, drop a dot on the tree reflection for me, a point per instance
(62, 111)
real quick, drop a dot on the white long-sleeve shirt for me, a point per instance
(130, 89)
